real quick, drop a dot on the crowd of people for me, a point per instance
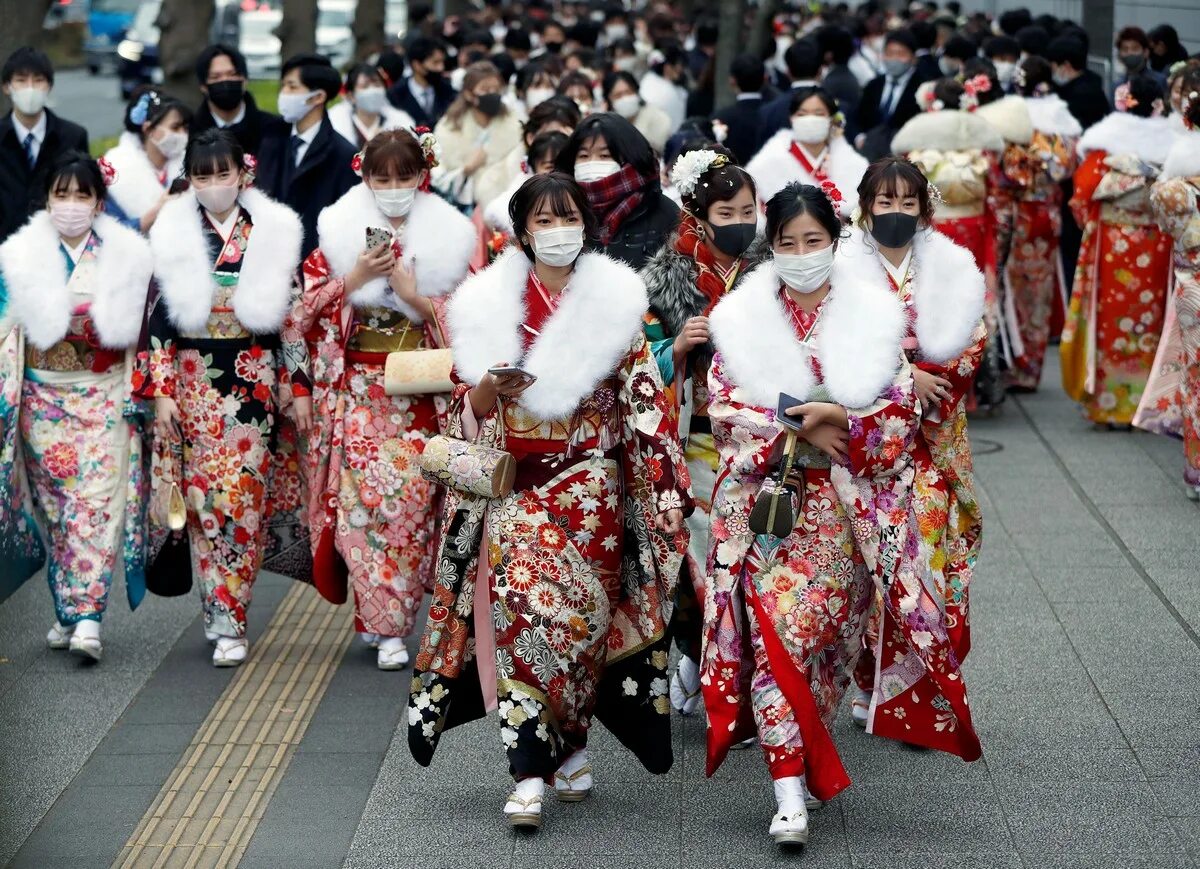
(517, 316)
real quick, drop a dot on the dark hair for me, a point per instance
(977, 66)
(422, 48)
(479, 36)
(550, 66)
(625, 143)
(211, 151)
(80, 167)
(1013, 20)
(748, 72)
(1145, 90)
(158, 106)
(672, 55)
(30, 60)
(573, 79)
(960, 48)
(1067, 49)
(370, 70)
(796, 199)
(893, 176)
(1033, 39)
(801, 96)
(625, 45)
(556, 189)
(211, 53)
(949, 91)
(558, 109)
(1001, 45)
(1167, 35)
(547, 146)
(718, 185)
(803, 59)
(707, 32)
(1073, 30)
(610, 82)
(902, 37)
(1035, 71)
(1191, 82)
(925, 34)
(837, 42)
(391, 66)
(397, 150)
(1132, 34)
(316, 73)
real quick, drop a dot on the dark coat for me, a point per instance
(843, 86)
(1085, 99)
(443, 95)
(745, 127)
(320, 180)
(248, 131)
(644, 232)
(775, 114)
(871, 121)
(22, 189)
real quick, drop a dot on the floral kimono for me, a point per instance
(1120, 295)
(372, 514)
(943, 296)
(219, 344)
(1032, 278)
(138, 185)
(959, 153)
(1171, 403)
(556, 597)
(785, 618)
(73, 447)
(782, 160)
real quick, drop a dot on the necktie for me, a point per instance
(429, 101)
(30, 157)
(297, 144)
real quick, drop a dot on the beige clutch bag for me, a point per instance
(468, 467)
(418, 372)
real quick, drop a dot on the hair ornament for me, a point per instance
(832, 193)
(430, 148)
(926, 98)
(250, 168)
(356, 163)
(935, 195)
(107, 171)
(1123, 100)
(686, 172)
(141, 109)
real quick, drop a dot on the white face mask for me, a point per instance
(172, 145)
(1005, 69)
(805, 272)
(395, 202)
(293, 107)
(537, 96)
(559, 246)
(594, 170)
(370, 100)
(72, 219)
(218, 198)
(29, 100)
(627, 106)
(615, 32)
(625, 64)
(810, 128)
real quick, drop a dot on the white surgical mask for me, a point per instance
(810, 128)
(594, 170)
(559, 246)
(537, 96)
(615, 31)
(370, 100)
(1005, 69)
(627, 106)
(218, 198)
(949, 66)
(395, 202)
(293, 107)
(625, 64)
(172, 145)
(805, 272)
(29, 100)
(72, 219)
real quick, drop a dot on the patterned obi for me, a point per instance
(1113, 213)
(79, 350)
(384, 330)
(594, 425)
(223, 323)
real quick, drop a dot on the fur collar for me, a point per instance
(341, 116)
(857, 341)
(136, 189)
(1122, 133)
(947, 130)
(773, 167)
(1183, 160)
(581, 344)
(184, 270)
(437, 236)
(1051, 116)
(35, 272)
(1010, 118)
(948, 288)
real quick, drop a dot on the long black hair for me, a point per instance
(625, 144)
(796, 199)
(152, 105)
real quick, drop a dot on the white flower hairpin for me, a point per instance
(686, 172)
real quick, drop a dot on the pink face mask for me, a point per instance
(72, 219)
(218, 198)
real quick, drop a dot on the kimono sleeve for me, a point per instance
(1087, 178)
(1001, 202)
(960, 371)
(745, 435)
(662, 346)
(1174, 205)
(295, 374)
(319, 289)
(881, 436)
(155, 375)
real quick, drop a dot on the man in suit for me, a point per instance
(424, 93)
(1080, 88)
(302, 162)
(803, 59)
(837, 44)
(221, 72)
(889, 101)
(741, 118)
(32, 137)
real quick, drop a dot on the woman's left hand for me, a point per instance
(816, 413)
(403, 281)
(669, 522)
(302, 411)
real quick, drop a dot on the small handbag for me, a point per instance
(778, 503)
(419, 372)
(167, 507)
(169, 570)
(467, 467)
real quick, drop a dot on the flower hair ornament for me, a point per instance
(972, 88)
(832, 194)
(356, 162)
(935, 195)
(141, 109)
(107, 171)
(926, 98)
(430, 148)
(250, 168)
(686, 172)
(1123, 100)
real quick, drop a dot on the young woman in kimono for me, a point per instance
(959, 153)
(811, 151)
(707, 258)
(76, 282)
(371, 514)
(785, 617)
(220, 371)
(147, 157)
(942, 292)
(1120, 295)
(555, 598)
(1171, 404)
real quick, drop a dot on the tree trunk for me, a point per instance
(760, 30)
(22, 24)
(369, 18)
(731, 18)
(298, 31)
(184, 26)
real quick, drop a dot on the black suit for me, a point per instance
(248, 131)
(776, 114)
(22, 189)
(402, 98)
(843, 86)
(928, 67)
(323, 176)
(745, 131)
(1085, 99)
(879, 127)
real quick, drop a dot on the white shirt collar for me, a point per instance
(38, 129)
(309, 134)
(749, 96)
(805, 83)
(237, 119)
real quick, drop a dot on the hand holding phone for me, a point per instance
(378, 236)
(785, 403)
(503, 371)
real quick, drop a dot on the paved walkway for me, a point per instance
(1084, 683)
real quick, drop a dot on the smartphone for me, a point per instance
(510, 371)
(792, 422)
(378, 236)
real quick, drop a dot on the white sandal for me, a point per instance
(59, 636)
(860, 708)
(573, 780)
(85, 639)
(685, 686)
(790, 824)
(392, 654)
(524, 806)
(230, 651)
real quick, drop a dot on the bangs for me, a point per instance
(899, 181)
(86, 181)
(399, 154)
(211, 160)
(558, 201)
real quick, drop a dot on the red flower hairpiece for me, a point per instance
(250, 167)
(107, 171)
(832, 193)
(357, 163)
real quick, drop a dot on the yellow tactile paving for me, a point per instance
(210, 805)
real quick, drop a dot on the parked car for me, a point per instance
(108, 21)
(335, 33)
(137, 53)
(259, 44)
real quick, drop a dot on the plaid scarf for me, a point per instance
(690, 243)
(614, 198)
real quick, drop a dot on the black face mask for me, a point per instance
(553, 47)
(490, 104)
(893, 229)
(732, 239)
(226, 95)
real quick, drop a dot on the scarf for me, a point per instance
(690, 243)
(614, 198)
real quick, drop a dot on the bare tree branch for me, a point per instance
(298, 30)
(730, 21)
(22, 24)
(183, 32)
